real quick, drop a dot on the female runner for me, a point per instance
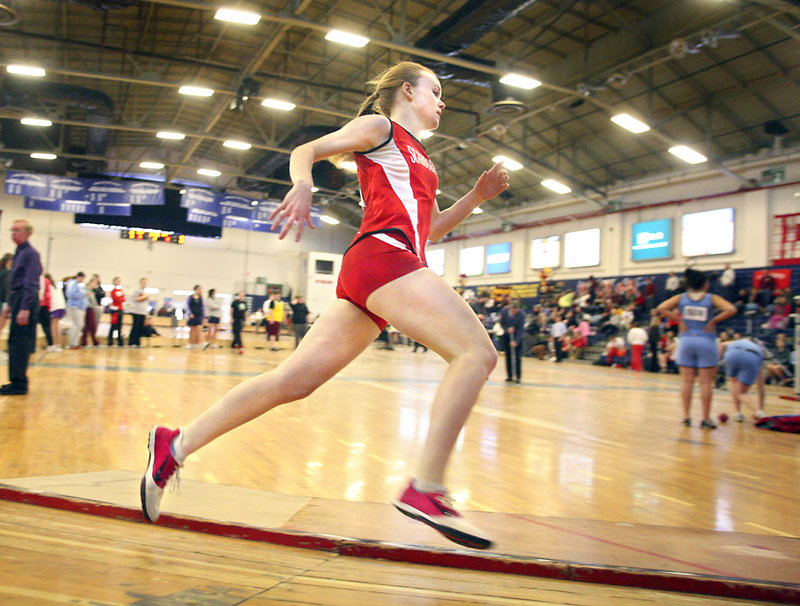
(383, 279)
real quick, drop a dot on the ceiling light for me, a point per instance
(43, 156)
(284, 106)
(520, 81)
(508, 163)
(26, 70)
(631, 123)
(165, 134)
(477, 210)
(252, 202)
(687, 154)
(195, 91)
(426, 134)
(36, 122)
(208, 172)
(337, 35)
(237, 144)
(153, 165)
(557, 187)
(438, 192)
(236, 16)
(349, 165)
(329, 220)
(314, 189)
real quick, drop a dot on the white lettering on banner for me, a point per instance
(418, 158)
(698, 314)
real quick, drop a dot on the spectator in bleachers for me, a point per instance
(779, 319)
(577, 344)
(666, 357)
(672, 284)
(727, 280)
(779, 365)
(654, 334)
(637, 339)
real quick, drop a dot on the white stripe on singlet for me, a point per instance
(398, 175)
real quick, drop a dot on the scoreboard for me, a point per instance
(152, 236)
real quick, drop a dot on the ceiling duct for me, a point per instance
(48, 98)
(460, 31)
(105, 5)
(276, 165)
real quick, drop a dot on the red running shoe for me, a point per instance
(160, 467)
(436, 510)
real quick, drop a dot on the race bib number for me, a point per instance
(698, 314)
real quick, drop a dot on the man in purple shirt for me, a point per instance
(23, 301)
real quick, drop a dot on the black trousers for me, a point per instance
(115, 326)
(237, 333)
(21, 342)
(44, 322)
(513, 358)
(134, 338)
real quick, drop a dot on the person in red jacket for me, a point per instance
(116, 307)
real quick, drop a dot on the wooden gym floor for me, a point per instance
(580, 472)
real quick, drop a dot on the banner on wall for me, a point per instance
(79, 195)
(222, 209)
(782, 278)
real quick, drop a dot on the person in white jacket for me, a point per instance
(637, 339)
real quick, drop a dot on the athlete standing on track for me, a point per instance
(383, 279)
(698, 353)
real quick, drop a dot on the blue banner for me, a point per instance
(237, 211)
(27, 184)
(98, 190)
(145, 193)
(95, 196)
(261, 215)
(202, 206)
(64, 206)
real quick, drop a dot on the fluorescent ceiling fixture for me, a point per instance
(520, 81)
(208, 172)
(426, 134)
(237, 144)
(329, 220)
(337, 35)
(36, 122)
(26, 70)
(631, 123)
(43, 156)
(151, 290)
(557, 187)
(687, 154)
(508, 163)
(477, 210)
(235, 16)
(153, 165)
(195, 91)
(165, 134)
(284, 106)
(349, 165)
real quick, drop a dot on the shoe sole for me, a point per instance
(148, 474)
(457, 536)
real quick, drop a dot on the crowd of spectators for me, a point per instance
(617, 320)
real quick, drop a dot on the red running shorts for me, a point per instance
(369, 264)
